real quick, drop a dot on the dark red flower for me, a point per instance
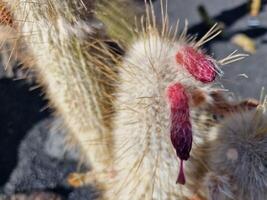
(181, 129)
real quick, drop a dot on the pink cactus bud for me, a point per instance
(197, 64)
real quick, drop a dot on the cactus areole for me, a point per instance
(203, 70)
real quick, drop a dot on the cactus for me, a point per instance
(157, 77)
(210, 118)
(239, 158)
(134, 154)
(74, 66)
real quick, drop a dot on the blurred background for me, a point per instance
(32, 162)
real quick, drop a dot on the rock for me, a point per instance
(55, 144)
(20, 109)
(83, 193)
(44, 164)
(36, 170)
